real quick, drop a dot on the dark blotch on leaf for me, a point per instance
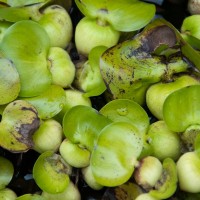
(27, 130)
(158, 36)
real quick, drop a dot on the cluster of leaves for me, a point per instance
(144, 138)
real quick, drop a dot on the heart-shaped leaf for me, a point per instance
(28, 53)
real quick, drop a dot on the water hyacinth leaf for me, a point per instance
(28, 53)
(83, 129)
(137, 14)
(191, 54)
(20, 3)
(130, 67)
(90, 79)
(190, 26)
(115, 155)
(54, 95)
(157, 93)
(3, 27)
(9, 81)
(193, 41)
(51, 173)
(128, 111)
(187, 114)
(131, 16)
(14, 14)
(19, 121)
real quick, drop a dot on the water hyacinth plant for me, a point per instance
(103, 106)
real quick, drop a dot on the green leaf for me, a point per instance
(190, 26)
(9, 81)
(179, 112)
(14, 14)
(54, 95)
(18, 3)
(193, 41)
(30, 197)
(122, 15)
(127, 111)
(131, 16)
(82, 125)
(19, 121)
(115, 155)
(28, 53)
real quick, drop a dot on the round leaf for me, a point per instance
(181, 108)
(122, 15)
(115, 154)
(127, 111)
(9, 81)
(28, 53)
(54, 95)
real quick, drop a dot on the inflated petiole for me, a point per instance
(103, 22)
(188, 172)
(74, 154)
(164, 142)
(61, 67)
(148, 172)
(6, 173)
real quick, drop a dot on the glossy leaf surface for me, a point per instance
(54, 95)
(82, 125)
(180, 112)
(9, 81)
(131, 16)
(19, 121)
(30, 197)
(130, 67)
(28, 55)
(115, 154)
(127, 111)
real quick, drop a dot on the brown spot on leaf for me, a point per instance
(26, 131)
(158, 36)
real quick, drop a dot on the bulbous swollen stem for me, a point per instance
(101, 22)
